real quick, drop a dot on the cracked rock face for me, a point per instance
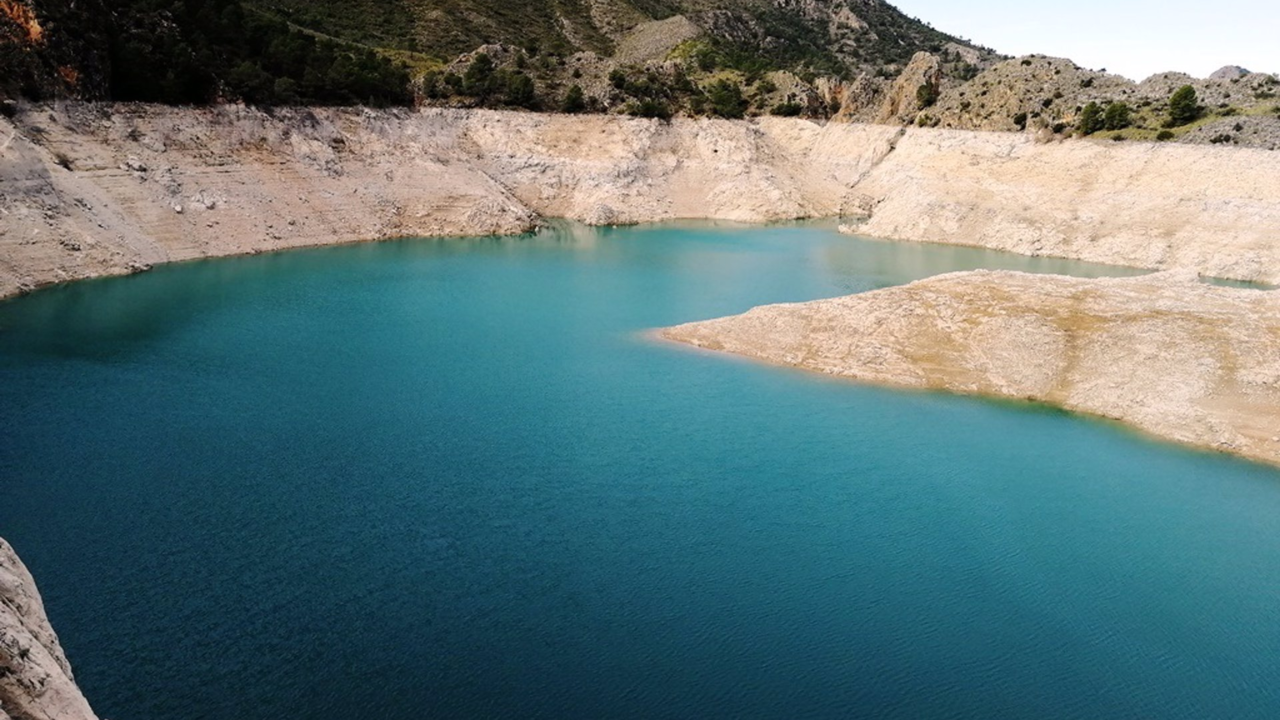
(35, 678)
(1176, 358)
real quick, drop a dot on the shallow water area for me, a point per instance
(450, 478)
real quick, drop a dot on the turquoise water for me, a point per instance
(449, 479)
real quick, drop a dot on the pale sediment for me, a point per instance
(1178, 359)
(95, 189)
(148, 185)
(35, 678)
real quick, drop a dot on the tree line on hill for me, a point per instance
(191, 52)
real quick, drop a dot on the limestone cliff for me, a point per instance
(1214, 210)
(1190, 362)
(35, 678)
(95, 189)
(89, 190)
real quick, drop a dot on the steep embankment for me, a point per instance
(89, 190)
(35, 678)
(1214, 210)
(1176, 358)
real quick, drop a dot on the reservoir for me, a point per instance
(454, 479)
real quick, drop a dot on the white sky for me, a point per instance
(1135, 38)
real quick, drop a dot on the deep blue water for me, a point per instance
(448, 479)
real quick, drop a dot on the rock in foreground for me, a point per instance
(35, 678)
(1165, 353)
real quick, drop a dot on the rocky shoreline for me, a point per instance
(88, 190)
(1164, 353)
(36, 682)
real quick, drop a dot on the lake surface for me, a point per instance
(449, 479)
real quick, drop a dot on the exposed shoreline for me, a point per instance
(38, 683)
(88, 190)
(93, 190)
(1164, 354)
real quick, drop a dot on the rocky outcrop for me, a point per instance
(1181, 360)
(89, 190)
(915, 89)
(35, 678)
(1228, 72)
(1040, 91)
(1258, 131)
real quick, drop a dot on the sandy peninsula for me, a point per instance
(1165, 353)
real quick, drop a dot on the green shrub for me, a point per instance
(726, 99)
(1184, 106)
(1116, 116)
(477, 81)
(1164, 135)
(787, 109)
(1092, 119)
(926, 95)
(574, 100)
(649, 109)
(519, 90)
(286, 91)
(1020, 120)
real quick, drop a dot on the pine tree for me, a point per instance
(1117, 116)
(1184, 106)
(1091, 119)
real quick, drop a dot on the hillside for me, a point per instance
(192, 52)
(839, 35)
(647, 57)
(847, 60)
(1234, 106)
